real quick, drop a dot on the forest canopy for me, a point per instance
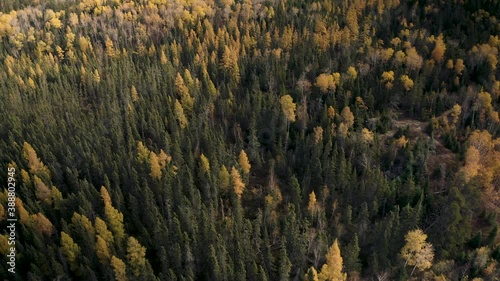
(251, 139)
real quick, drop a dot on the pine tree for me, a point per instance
(285, 264)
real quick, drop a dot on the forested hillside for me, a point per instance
(251, 140)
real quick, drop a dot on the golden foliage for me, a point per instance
(288, 107)
(244, 163)
(472, 164)
(459, 66)
(136, 256)
(43, 224)
(42, 192)
(238, 184)
(134, 94)
(407, 82)
(70, 250)
(312, 206)
(179, 115)
(105, 195)
(328, 82)
(388, 76)
(417, 252)
(119, 269)
(102, 230)
(331, 112)
(154, 165)
(35, 165)
(439, 49)
(413, 60)
(366, 135)
(321, 36)
(401, 142)
(318, 134)
(347, 117)
(352, 73)
(224, 179)
(332, 270)
(102, 250)
(204, 164)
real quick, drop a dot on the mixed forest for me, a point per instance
(251, 140)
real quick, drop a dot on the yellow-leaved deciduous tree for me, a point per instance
(224, 179)
(102, 250)
(485, 108)
(472, 163)
(35, 165)
(102, 230)
(439, 49)
(318, 134)
(43, 224)
(321, 36)
(401, 142)
(347, 117)
(136, 256)
(42, 192)
(238, 184)
(244, 163)
(96, 77)
(57, 197)
(142, 152)
(347, 121)
(71, 250)
(459, 66)
(113, 217)
(332, 270)
(328, 82)
(456, 110)
(407, 82)
(164, 159)
(154, 165)
(388, 79)
(110, 48)
(312, 206)
(134, 94)
(288, 107)
(230, 62)
(82, 224)
(482, 162)
(119, 268)
(204, 164)
(366, 135)
(417, 252)
(179, 114)
(352, 74)
(331, 112)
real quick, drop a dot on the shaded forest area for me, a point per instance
(251, 140)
